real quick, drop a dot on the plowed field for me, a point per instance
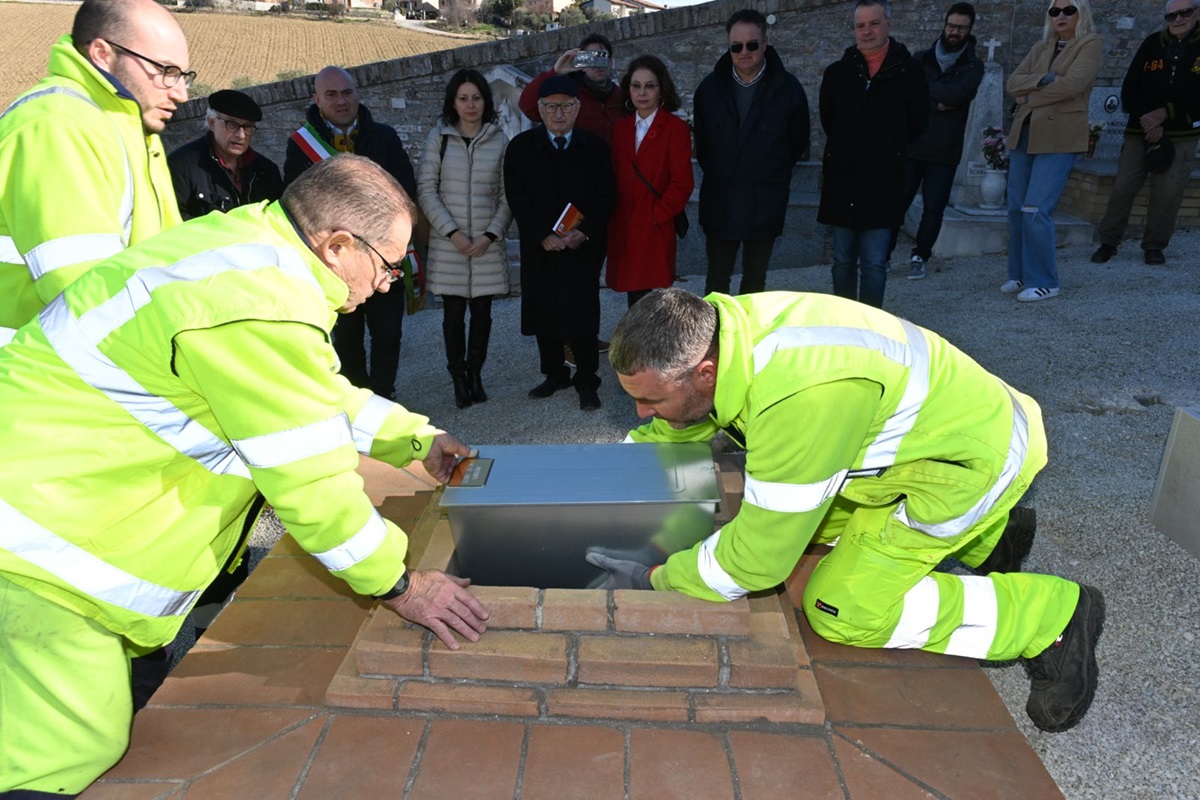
(224, 47)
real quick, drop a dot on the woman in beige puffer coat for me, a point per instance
(460, 187)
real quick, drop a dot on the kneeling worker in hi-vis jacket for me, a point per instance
(864, 429)
(144, 412)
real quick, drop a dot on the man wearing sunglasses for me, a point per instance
(1161, 93)
(220, 170)
(751, 127)
(83, 174)
(142, 438)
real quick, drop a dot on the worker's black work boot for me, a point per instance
(1063, 677)
(1014, 544)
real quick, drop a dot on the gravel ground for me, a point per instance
(1108, 360)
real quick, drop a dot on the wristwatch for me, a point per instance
(400, 588)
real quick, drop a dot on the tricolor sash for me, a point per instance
(311, 143)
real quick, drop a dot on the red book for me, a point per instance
(568, 220)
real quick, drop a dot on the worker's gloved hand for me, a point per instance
(621, 574)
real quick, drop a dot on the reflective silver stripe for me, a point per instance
(712, 573)
(795, 498)
(126, 209)
(78, 568)
(59, 253)
(1018, 445)
(358, 547)
(973, 639)
(6, 335)
(77, 344)
(368, 421)
(9, 254)
(285, 447)
(917, 617)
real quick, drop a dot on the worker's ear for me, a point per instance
(335, 249)
(705, 374)
(101, 54)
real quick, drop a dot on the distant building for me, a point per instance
(620, 8)
(549, 8)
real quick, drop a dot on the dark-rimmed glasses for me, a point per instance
(1183, 13)
(233, 126)
(554, 108)
(1066, 11)
(958, 28)
(751, 45)
(394, 271)
(170, 73)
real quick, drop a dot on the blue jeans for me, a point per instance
(864, 252)
(1035, 183)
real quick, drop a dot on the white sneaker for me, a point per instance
(916, 268)
(1041, 293)
(1011, 287)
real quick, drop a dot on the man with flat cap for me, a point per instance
(220, 170)
(549, 170)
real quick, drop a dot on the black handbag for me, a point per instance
(681, 219)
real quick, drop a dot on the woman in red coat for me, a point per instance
(658, 145)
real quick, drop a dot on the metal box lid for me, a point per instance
(570, 474)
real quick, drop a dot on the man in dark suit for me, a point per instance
(339, 123)
(547, 169)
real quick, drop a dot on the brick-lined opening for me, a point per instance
(584, 653)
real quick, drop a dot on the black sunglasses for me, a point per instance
(751, 45)
(171, 74)
(1066, 11)
(1183, 13)
(394, 271)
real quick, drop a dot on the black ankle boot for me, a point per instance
(475, 386)
(462, 389)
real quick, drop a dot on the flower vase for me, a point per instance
(992, 188)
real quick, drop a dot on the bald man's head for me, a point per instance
(336, 96)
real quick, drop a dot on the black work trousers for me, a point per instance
(383, 315)
(756, 255)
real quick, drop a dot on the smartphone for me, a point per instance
(590, 58)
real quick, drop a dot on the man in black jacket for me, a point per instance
(339, 123)
(220, 170)
(751, 127)
(1161, 93)
(953, 73)
(874, 104)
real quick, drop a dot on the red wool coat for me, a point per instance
(641, 233)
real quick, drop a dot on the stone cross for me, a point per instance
(991, 45)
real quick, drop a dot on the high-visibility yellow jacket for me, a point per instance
(80, 180)
(834, 398)
(147, 404)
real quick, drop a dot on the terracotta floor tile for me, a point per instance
(405, 511)
(943, 698)
(669, 764)
(438, 550)
(176, 743)
(826, 651)
(363, 757)
(981, 766)
(272, 769)
(290, 622)
(287, 547)
(382, 480)
(132, 791)
(574, 763)
(773, 766)
(252, 676)
(293, 577)
(465, 759)
(867, 778)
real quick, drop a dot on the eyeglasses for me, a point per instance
(170, 73)
(752, 45)
(233, 126)
(957, 28)
(1066, 11)
(554, 108)
(637, 87)
(394, 271)
(1183, 13)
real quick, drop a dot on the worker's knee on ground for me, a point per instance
(823, 617)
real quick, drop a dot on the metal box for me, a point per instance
(540, 507)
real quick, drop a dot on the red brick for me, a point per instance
(348, 690)
(758, 664)
(790, 616)
(388, 645)
(293, 577)
(808, 688)
(574, 610)
(362, 757)
(574, 762)
(509, 606)
(439, 549)
(647, 661)
(767, 614)
(290, 622)
(663, 706)
(672, 763)
(466, 698)
(478, 760)
(745, 707)
(513, 656)
(671, 612)
(772, 767)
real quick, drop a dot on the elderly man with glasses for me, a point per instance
(220, 170)
(147, 415)
(751, 127)
(83, 174)
(1161, 93)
